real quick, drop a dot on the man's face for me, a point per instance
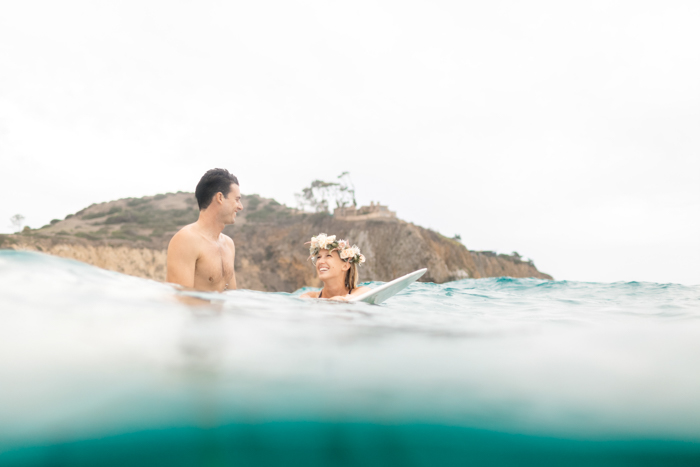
(232, 204)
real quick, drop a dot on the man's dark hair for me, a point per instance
(211, 183)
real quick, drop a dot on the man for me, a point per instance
(200, 256)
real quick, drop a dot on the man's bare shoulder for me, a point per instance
(187, 238)
(187, 233)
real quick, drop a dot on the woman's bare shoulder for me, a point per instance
(360, 290)
(309, 295)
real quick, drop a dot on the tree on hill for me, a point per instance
(320, 195)
(17, 222)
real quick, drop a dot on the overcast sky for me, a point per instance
(566, 131)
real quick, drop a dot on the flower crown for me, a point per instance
(346, 252)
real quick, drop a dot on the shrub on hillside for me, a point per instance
(112, 210)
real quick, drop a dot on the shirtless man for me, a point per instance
(199, 255)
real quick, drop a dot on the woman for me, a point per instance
(336, 264)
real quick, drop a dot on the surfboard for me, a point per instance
(388, 290)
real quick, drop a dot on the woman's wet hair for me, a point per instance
(351, 277)
(212, 182)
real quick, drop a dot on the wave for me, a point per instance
(90, 354)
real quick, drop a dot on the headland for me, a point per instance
(131, 236)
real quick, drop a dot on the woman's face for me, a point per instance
(329, 265)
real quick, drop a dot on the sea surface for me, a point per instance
(99, 368)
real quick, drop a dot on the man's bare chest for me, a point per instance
(215, 263)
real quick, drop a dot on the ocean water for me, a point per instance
(99, 368)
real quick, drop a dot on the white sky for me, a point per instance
(566, 131)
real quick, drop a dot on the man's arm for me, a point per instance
(182, 259)
(232, 282)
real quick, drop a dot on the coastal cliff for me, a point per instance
(131, 236)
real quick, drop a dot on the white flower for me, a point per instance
(321, 242)
(327, 241)
(318, 240)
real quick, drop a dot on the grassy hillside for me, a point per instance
(150, 221)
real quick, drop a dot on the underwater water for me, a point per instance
(99, 368)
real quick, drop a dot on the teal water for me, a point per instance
(99, 368)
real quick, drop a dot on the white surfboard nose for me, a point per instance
(388, 290)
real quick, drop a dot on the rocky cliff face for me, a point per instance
(142, 262)
(131, 236)
(273, 257)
